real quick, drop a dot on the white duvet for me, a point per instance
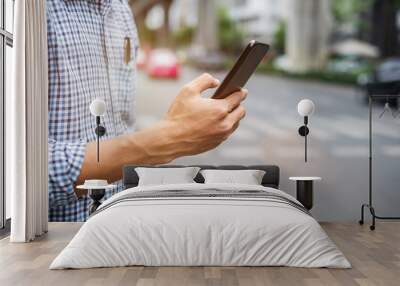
(200, 231)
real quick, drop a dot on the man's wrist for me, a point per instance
(155, 145)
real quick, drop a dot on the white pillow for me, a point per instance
(163, 176)
(248, 177)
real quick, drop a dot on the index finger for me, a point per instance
(203, 82)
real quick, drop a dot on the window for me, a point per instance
(6, 63)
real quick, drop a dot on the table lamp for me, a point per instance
(305, 108)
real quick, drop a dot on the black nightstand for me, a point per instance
(96, 196)
(95, 192)
(304, 190)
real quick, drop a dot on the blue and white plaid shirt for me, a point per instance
(86, 61)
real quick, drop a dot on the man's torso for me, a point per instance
(86, 61)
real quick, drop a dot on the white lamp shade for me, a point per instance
(97, 107)
(305, 107)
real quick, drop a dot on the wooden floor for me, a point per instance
(375, 257)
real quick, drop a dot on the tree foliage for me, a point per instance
(347, 11)
(184, 36)
(280, 38)
(229, 35)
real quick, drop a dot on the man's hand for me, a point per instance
(193, 125)
(202, 123)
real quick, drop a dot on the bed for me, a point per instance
(199, 224)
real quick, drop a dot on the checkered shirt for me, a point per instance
(86, 61)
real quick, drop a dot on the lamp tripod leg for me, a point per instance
(372, 210)
(361, 221)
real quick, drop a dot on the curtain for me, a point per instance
(26, 124)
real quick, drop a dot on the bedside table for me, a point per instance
(304, 190)
(96, 193)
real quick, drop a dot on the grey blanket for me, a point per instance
(206, 194)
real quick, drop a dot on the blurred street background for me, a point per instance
(324, 50)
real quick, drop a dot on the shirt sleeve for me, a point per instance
(65, 162)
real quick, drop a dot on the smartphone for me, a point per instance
(244, 67)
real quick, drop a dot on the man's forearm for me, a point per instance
(192, 125)
(150, 146)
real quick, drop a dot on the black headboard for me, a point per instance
(270, 179)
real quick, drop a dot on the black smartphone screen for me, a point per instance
(242, 69)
